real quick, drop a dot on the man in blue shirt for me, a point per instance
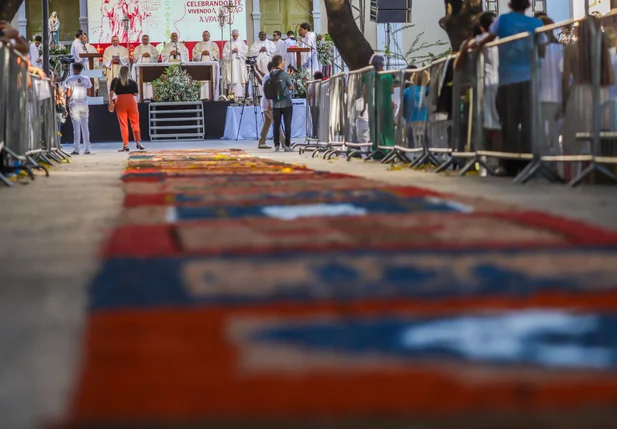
(514, 93)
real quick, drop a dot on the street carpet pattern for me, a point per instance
(237, 287)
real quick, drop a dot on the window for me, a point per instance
(538, 6)
(491, 6)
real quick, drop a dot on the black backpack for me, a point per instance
(273, 90)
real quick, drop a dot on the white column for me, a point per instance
(22, 20)
(256, 21)
(83, 15)
(317, 16)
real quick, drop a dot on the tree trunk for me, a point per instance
(346, 35)
(459, 20)
(8, 9)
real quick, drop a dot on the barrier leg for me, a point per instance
(35, 165)
(590, 169)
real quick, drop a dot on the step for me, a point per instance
(187, 119)
(195, 136)
(176, 127)
(157, 111)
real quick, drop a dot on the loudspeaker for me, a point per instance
(391, 11)
(382, 16)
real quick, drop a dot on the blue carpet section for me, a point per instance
(139, 283)
(385, 205)
(545, 338)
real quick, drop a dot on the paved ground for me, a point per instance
(51, 230)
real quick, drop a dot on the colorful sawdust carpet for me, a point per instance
(242, 288)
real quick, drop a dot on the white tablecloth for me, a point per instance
(205, 85)
(247, 127)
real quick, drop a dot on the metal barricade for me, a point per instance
(360, 112)
(337, 116)
(386, 103)
(35, 118)
(440, 104)
(590, 119)
(17, 105)
(312, 115)
(412, 117)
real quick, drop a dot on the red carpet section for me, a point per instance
(238, 289)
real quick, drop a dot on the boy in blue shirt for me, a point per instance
(514, 93)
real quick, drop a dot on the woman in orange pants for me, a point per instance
(125, 90)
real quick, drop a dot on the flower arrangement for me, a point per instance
(299, 80)
(56, 50)
(176, 85)
(325, 49)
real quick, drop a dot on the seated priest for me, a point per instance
(114, 57)
(264, 50)
(174, 51)
(206, 50)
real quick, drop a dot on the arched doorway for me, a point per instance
(284, 15)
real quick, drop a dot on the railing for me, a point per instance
(467, 113)
(28, 123)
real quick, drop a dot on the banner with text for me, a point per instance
(130, 19)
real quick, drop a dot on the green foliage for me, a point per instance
(176, 85)
(299, 81)
(415, 54)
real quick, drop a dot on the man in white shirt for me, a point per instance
(266, 110)
(145, 53)
(114, 57)
(78, 47)
(290, 57)
(309, 40)
(35, 54)
(174, 51)
(263, 49)
(234, 55)
(76, 87)
(206, 50)
(281, 47)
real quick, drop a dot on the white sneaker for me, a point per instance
(276, 148)
(287, 149)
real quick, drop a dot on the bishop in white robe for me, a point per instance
(174, 51)
(206, 50)
(264, 50)
(234, 56)
(309, 40)
(114, 57)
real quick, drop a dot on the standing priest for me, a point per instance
(206, 50)
(145, 53)
(264, 50)
(174, 51)
(234, 55)
(114, 57)
(309, 40)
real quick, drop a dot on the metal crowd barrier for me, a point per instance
(456, 114)
(28, 123)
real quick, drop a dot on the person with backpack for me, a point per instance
(277, 89)
(266, 109)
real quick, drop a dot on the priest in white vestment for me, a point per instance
(97, 63)
(78, 47)
(206, 50)
(145, 53)
(114, 57)
(281, 47)
(234, 56)
(34, 55)
(174, 51)
(309, 40)
(290, 57)
(264, 50)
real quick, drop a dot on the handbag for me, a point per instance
(111, 107)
